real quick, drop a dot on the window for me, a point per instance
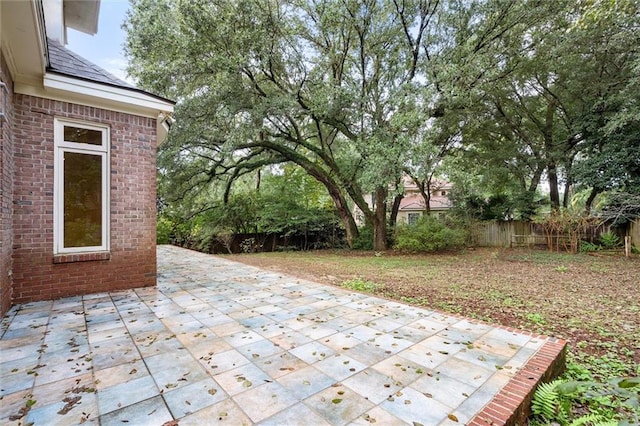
(443, 193)
(81, 188)
(413, 218)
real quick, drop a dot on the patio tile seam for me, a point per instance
(131, 336)
(30, 391)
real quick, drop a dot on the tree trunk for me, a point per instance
(554, 193)
(589, 202)
(350, 227)
(393, 218)
(552, 172)
(380, 220)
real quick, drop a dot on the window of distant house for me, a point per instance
(413, 218)
(81, 191)
(443, 193)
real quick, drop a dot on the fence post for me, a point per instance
(627, 246)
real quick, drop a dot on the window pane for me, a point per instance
(82, 200)
(79, 135)
(413, 218)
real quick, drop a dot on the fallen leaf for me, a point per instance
(336, 401)
(452, 418)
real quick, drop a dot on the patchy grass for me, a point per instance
(591, 301)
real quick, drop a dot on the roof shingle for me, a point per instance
(65, 62)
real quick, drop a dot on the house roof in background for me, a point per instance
(415, 202)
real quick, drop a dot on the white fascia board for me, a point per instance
(69, 89)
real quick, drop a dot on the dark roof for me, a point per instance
(65, 62)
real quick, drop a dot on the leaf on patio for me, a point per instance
(336, 401)
(69, 404)
(247, 384)
(212, 391)
(452, 418)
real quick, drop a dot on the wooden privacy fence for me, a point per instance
(505, 234)
(528, 234)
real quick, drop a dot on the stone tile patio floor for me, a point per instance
(221, 342)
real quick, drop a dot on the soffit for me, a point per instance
(82, 15)
(22, 36)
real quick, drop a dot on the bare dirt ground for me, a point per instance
(592, 301)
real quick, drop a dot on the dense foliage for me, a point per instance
(286, 204)
(499, 97)
(430, 234)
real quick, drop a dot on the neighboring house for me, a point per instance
(413, 206)
(77, 162)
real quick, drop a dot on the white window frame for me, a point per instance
(60, 147)
(413, 218)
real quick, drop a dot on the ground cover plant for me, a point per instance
(590, 300)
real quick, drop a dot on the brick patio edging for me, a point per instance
(512, 405)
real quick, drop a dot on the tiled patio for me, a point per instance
(221, 342)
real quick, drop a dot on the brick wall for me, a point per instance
(6, 189)
(132, 260)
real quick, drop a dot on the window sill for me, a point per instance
(81, 257)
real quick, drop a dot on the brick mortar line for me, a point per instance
(527, 378)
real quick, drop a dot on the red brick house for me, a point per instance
(77, 162)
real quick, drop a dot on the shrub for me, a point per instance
(609, 240)
(364, 240)
(164, 231)
(587, 247)
(430, 235)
